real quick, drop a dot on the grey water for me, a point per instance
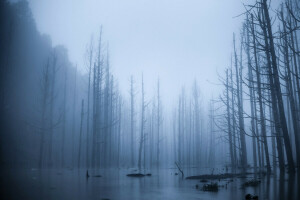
(163, 184)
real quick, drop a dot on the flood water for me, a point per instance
(114, 184)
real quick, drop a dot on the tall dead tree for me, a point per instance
(240, 114)
(142, 130)
(90, 64)
(251, 91)
(64, 111)
(233, 119)
(274, 102)
(197, 121)
(158, 124)
(80, 133)
(97, 100)
(132, 124)
(231, 147)
(290, 87)
(119, 129)
(73, 118)
(262, 115)
(45, 95)
(270, 39)
(52, 98)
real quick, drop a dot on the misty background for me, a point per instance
(177, 41)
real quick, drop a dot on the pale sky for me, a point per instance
(177, 40)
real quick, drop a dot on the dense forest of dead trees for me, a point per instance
(61, 117)
(265, 76)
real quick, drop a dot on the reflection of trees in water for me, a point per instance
(268, 186)
(281, 186)
(291, 185)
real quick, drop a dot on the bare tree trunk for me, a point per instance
(64, 121)
(98, 102)
(211, 155)
(119, 131)
(241, 118)
(273, 95)
(229, 122)
(277, 86)
(158, 124)
(262, 118)
(90, 54)
(233, 121)
(290, 90)
(45, 89)
(52, 97)
(94, 142)
(272, 133)
(252, 100)
(131, 122)
(197, 123)
(142, 135)
(179, 130)
(73, 120)
(190, 146)
(80, 133)
(174, 135)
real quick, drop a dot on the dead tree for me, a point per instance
(262, 115)
(52, 97)
(132, 124)
(73, 119)
(252, 100)
(45, 96)
(90, 64)
(197, 121)
(233, 119)
(290, 87)
(268, 34)
(231, 147)
(142, 130)
(158, 124)
(80, 133)
(64, 120)
(240, 114)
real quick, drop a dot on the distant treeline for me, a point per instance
(24, 57)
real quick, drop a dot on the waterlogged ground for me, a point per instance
(114, 184)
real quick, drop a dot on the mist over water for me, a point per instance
(149, 99)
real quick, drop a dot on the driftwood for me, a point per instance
(138, 175)
(217, 176)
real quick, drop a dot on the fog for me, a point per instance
(178, 41)
(149, 99)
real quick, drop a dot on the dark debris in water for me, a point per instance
(250, 197)
(218, 176)
(212, 187)
(138, 175)
(251, 183)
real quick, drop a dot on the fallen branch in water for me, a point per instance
(218, 176)
(138, 175)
